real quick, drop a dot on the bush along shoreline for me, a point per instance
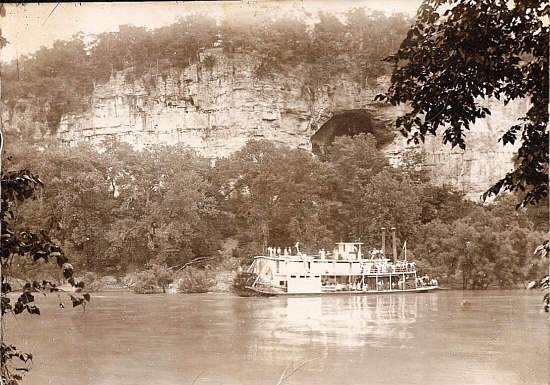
(160, 279)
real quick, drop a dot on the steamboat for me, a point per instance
(345, 270)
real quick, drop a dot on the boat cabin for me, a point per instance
(346, 269)
(348, 250)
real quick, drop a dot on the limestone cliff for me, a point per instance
(215, 108)
(216, 105)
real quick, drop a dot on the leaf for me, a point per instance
(6, 287)
(26, 298)
(76, 301)
(39, 254)
(18, 308)
(33, 310)
(61, 260)
(68, 274)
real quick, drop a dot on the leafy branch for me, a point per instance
(475, 50)
(17, 187)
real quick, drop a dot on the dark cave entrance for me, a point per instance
(350, 123)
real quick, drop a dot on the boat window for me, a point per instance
(292, 276)
(281, 283)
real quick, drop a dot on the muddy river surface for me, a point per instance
(446, 337)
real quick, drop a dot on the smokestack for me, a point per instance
(394, 244)
(383, 240)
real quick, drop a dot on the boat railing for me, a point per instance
(404, 269)
(391, 269)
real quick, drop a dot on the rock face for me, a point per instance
(216, 105)
(484, 161)
(214, 109)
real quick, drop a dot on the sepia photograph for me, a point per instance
(312, 192)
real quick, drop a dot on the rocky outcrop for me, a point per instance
(216, 105)
(215, 109)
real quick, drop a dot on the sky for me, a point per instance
(27, 27)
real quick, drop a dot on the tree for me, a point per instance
(460, 52)
(164, 209)
(77, 205)
(544, 252)
(443, 203)
(490, 245)
(369, 193)
(389, 199)
(17, 187)
(275, 195)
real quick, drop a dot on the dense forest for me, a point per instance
(61, 79)
(121, 209)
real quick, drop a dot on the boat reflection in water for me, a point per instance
(328, 322)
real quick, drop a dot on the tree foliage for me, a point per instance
(122, 210)
(481, 249)
(459, 53)
(194, 280)
(18, 187)
(273, 194)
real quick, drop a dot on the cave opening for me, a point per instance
(350, 123)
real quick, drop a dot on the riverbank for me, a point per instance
(193, 281)
(161, 280)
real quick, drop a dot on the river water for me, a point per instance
(446, 337)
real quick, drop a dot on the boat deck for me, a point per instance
(271, 293)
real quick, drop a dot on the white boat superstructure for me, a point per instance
(345, 270)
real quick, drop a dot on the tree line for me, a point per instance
(119, 210)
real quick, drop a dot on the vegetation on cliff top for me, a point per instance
(61, 79)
